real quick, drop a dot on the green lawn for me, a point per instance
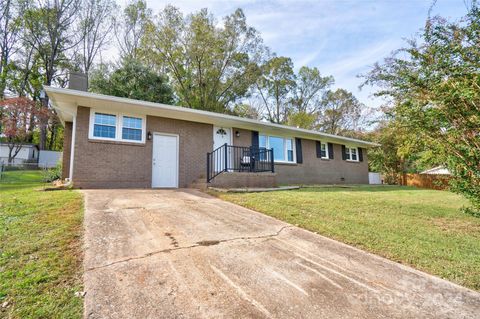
(40, 249)
(418, 227)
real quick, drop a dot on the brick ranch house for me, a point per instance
(112, 142)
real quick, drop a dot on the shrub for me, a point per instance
(52, 174)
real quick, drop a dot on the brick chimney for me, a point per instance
(78, 81)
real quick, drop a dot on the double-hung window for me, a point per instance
(324, 150)
(131, 128)
(282, 147)
(352, 154)
(105, 125)
(289, 146)
(117, 127)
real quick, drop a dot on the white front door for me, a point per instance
(221, 135)
(165, 160)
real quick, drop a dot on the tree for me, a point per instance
(434, 85)
(96, 24)
(246, 110)
(340, 111)
(17, 122)
(211, 66)
(302, 120)
(9, 32)
(132, 80)
(25, 76)
(307, 97)
(50, 29)
(130, 28)
(273, 87)
(290, 98)
(397, 152)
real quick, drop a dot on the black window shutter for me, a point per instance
(360, 154)
(298, 147)
(255, 139)
(344, 153)
(330, 150)
(319, 149)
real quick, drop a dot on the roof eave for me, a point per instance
(66, 110)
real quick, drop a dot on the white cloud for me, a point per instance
(353, 62)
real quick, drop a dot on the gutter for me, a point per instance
(200, 113)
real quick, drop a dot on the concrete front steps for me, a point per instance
(238, 180)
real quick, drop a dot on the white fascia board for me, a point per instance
(66, 108)
(65, 101)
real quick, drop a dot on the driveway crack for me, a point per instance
(202, 243)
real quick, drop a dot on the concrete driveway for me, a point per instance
(184, 254)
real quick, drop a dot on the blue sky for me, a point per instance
(342, 38)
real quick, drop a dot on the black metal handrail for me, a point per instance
(229, 158)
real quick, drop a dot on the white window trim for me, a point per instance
(349, 155)
(284, 148)
(118, 126)
(92, 126)
(327, 154)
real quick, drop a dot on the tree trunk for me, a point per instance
(5, 50)
(32, 126)
(3, 81)
(52, 137)
(43, 126)
(403, 172)
(10, 157)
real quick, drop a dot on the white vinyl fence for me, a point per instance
(374, 178)
(49, 159)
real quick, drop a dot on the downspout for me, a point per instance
(72, 150)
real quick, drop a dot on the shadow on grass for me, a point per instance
(16, 186)
(22, 176)
(16, 180)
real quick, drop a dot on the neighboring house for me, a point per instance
(114, 142)
(28, 154)
(439, 170)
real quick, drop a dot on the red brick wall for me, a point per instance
(107, 164)
(314, 170)
(196, 140)
(244, 139)
(244, 179)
